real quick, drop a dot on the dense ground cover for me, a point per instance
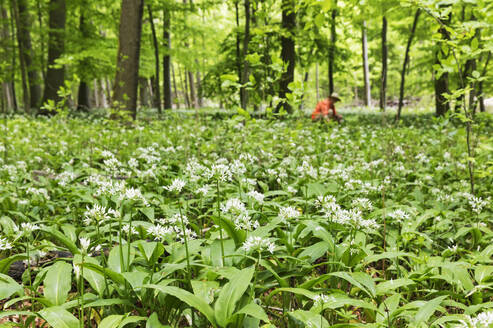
(209, 222)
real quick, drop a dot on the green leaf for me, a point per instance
(94, 278)
(153, 322)
(254, 310)
(189, 298)
(115, 258)
(205, 289)
(426, 311)
(111, 321)
(310, 319)
(359, 279)
(315, 251)
(7, 262)
(230, 294)
(58, 282)
(62, 239)
(58, 317)
(8, 287)
(391, 285)
(114, 276)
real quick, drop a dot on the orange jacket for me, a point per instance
(323, 107)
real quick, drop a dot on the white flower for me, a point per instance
(289, 212)
(292, 190)
(97, 214)
(233, 205)
(322, 300)
(482, 320)
(204, 190)
(133, 194)
(28, 227)
(256, 195)
(363, 204)
(126, 229)
(177, 185)
(258, 243)
(220, 171)
(84, 243)
(4, 244)
(399, 215)
(477, 204)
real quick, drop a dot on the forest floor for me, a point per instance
(228, 220)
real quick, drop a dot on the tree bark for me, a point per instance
(168, 100)
(366, 69)
(156, 99)
(30, 75)
(83, 101)
(245, 69)
(56, 46)
(333, 39)
(405, 63)
(288, 54)
(441, 84)
(127, 73)
(191, 86)
(5, 44)
(199, 86)
(175, 88)
(383, 79)
(482, 107)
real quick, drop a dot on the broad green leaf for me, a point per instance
(153, 322)
(111, 321)
(94, 278)
(58, 282)
(254, 310)
(359, 279)
(230, 294)
(310, 319)
(205, 289)
(115, 258)
(8, 287)
(58, 317)
(427, 310)
(315, 251)
(391, 285)
(61, 239)
(189, 298)
(112, 275)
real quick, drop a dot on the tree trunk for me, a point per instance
(366, 69)
(174, 88)
(245, 68)
(238, 48)
(83, 102)
(56, 46)
(156, 99)
(184, 86)
(199, 87)
(441, 83)
(191, 86)
(333, 39)
(482, 107)
(305, 80)
(127, 73)
(383, 79)
(405, 63)
(26, 51)
(168, 100)
(7, 85)
(288, 54)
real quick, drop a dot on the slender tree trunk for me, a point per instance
(199, 86)
(184, 86)
(191, 87)
(383, 79)
(288, 54)
(168, 100)
(441, 83)
(245, 68)
(175, 89)
(238, 48)
(127, 74)
(56, 46)
(24, 37)
(156, 99)
(83, 102)
(366, 69)
(405, 63)
(305, 80)
(96, 93)
(42, 39)
(22, 64)
(333, 39)
(7, 85)
(13, 58)
(482, 107)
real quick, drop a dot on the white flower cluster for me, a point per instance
(172, 228)
(38, 192)
(5, 244)
(177, 185)
(99, 213)
(482, 320)
(132, 194)
(28, 227)
(259, 197)
(363, 204)
(477, 204)
(239, 213)
(352, 217)
(322, 300)
(399, 215)
(289, 212)
(259, 244)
